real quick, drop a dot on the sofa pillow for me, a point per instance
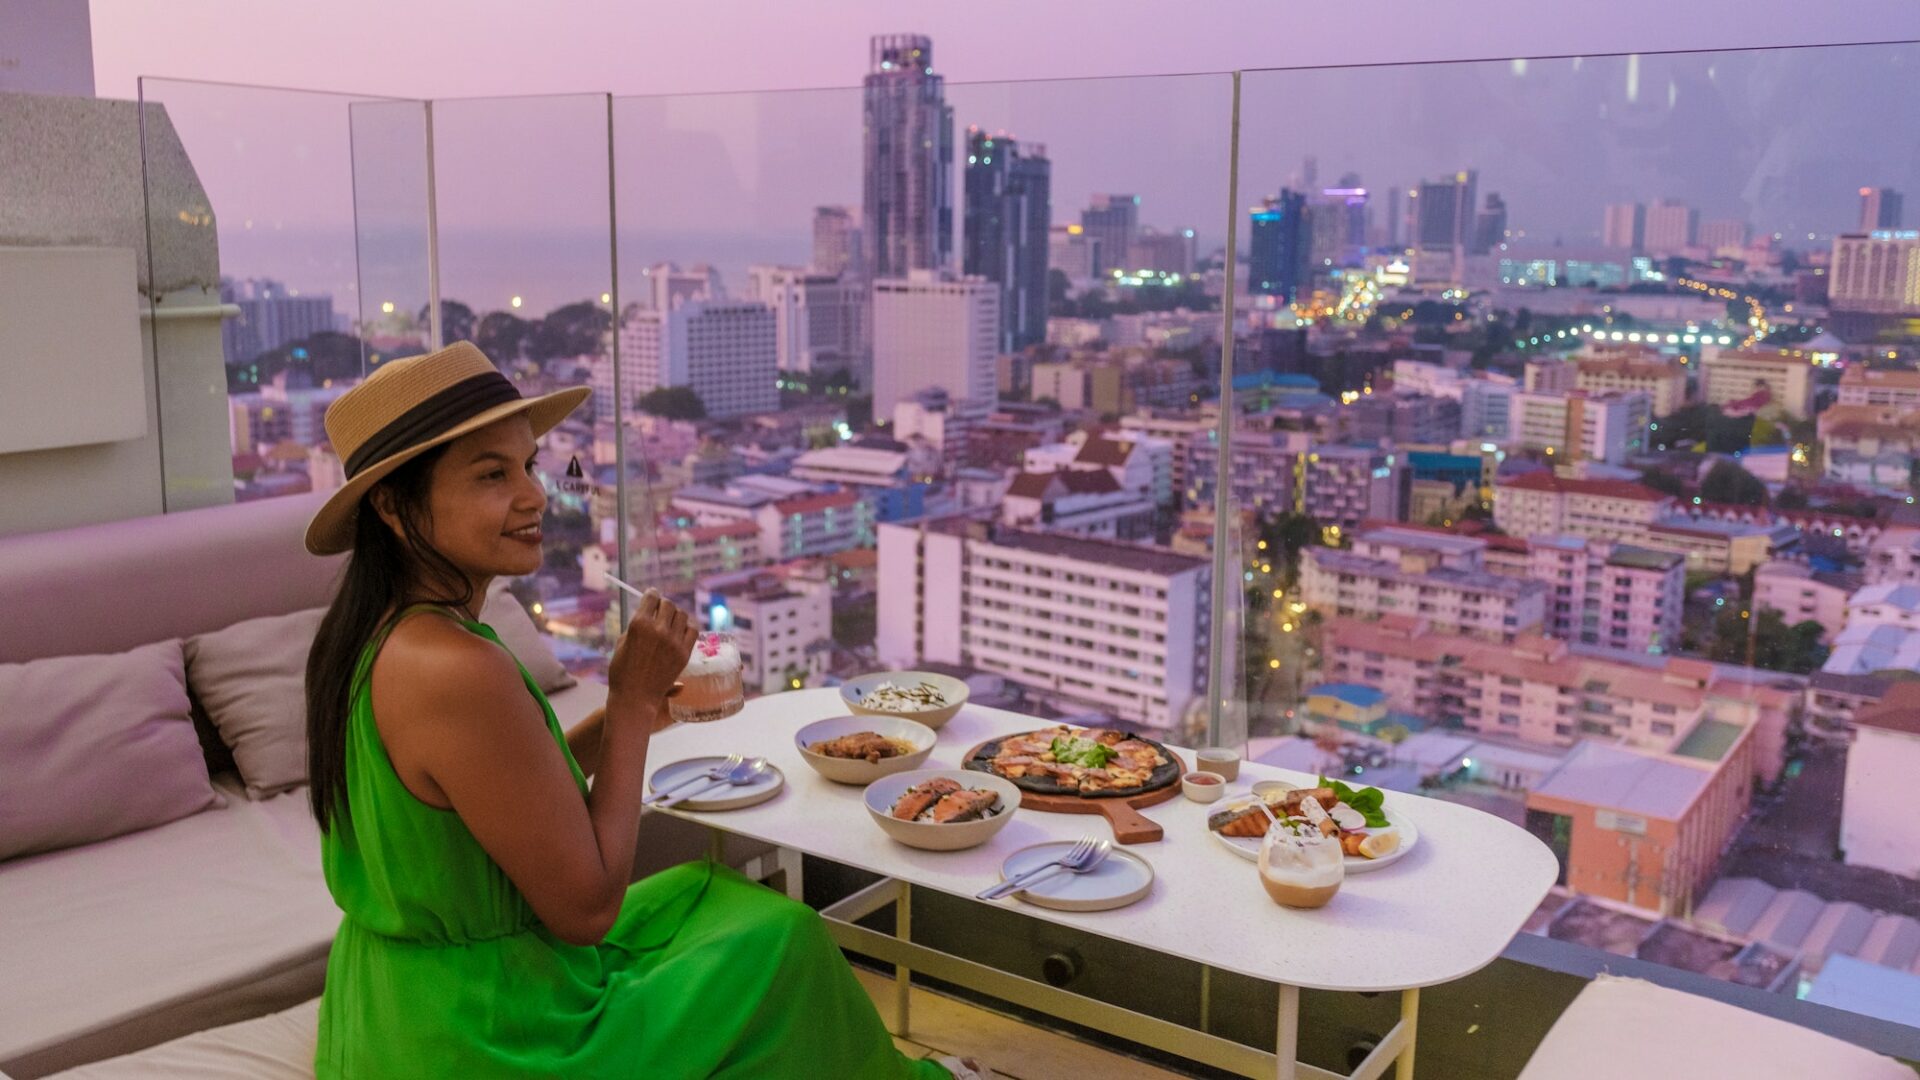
(251, 678)
(93, 747)
(503, 612)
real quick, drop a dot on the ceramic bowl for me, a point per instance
(884, 792)
(860, 770)
(854, 693)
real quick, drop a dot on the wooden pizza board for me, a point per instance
(1129, 827)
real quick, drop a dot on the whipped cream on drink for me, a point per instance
(1300, 866)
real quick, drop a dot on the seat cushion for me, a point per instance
(125, 943)
(1680, 1034)
(278, 1046)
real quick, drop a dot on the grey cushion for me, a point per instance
(251, 679)
(92, 747)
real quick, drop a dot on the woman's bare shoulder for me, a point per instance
(430, 661)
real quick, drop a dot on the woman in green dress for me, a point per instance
(489, 928)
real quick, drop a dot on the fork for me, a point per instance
(718, 772)
(1080, 857)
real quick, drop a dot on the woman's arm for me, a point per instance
(584, 741)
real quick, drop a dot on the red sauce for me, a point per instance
(1203, 778)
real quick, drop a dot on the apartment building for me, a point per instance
(1576, 424)
(1888, 388)
(1083, 624)
(791, 525)
(1539, 691)
(1720, 546)
(1436, 576)
(1263, 476)
(1605, 593)
(674, 560)
(782, 626)
(1345, 485)
(1730, 375)
(1541, 503)
(1641, 371)
(1078, 502)
(1800, 594)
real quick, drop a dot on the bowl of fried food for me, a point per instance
(862, 749)
(925, 697)
(942, 809)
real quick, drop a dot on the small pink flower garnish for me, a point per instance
(710, 645)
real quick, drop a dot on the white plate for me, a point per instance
(1249, 848)
(725, 797)
(1118, 881)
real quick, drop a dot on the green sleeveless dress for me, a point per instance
(441, 969)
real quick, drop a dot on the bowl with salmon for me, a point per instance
(942, 809)
(862, 749)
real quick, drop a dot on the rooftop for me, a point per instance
(1709, 740)
(1354, 694)
(1639, 558)
(1569, 485)
(1504, 585)
(1601, 775)
(1898, 710)
(1139, 558)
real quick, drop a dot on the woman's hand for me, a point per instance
(649, 656)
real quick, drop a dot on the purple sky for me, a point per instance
(1779, 139)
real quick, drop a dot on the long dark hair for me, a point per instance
(381, 572)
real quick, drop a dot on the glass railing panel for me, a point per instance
(1535, 347)
(249, 354)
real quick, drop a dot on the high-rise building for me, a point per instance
(1036, 608)
(1879, 209)
(1393, 215)
(1113, 220)
(1876, 272)
(1174, 252)
(1625, 226)
(1447, 212)
(1723, 233)
(1670, 226)
(820, 319)
(726, 351)
(1490, 228)
(666, 286)
(1073, 252)
(907, 214)
(934, 330)
(1277, 253)
(271, 315)
(837, 247)
(1008, 215)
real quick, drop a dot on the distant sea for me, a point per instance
(485, 270)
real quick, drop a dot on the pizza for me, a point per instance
(1091, 762)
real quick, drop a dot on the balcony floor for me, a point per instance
(1017, 1051)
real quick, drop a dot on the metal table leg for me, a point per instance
(902, 974)
(1286, 1050)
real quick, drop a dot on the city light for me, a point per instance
(386, 307)
(516, 301)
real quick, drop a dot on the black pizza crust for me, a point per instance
(981, 760)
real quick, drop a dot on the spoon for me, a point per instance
(740, 775)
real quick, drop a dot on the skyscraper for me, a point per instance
(1625, 226)
(819, 319)
(1277, 253)
(1876, 272)
(1670, 226)
(1447, 212)
(932, 329)
(1008, 213)
(1112, 220)
(726, 351)
(1072, 252)
(837, 245)
(1724, 233)
(1490, 228)
(1879, 209)
(271, 315)
(1392, 214)
(907, 213)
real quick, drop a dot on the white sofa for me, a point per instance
(222, 916)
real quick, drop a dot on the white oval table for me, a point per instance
(1441, 913)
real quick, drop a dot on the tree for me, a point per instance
(1663, 481)
(1776, 646)
(456, 320)
(574, 330)
(673, 403)
(1766, 433)
(1727, 482)
(1791, 499)
(501, 335)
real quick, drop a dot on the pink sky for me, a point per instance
(491, 47)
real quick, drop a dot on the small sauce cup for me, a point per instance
(1219, 760)
(1203, 787)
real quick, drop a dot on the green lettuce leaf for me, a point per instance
(1368, 802)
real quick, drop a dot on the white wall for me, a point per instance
(1878, 827)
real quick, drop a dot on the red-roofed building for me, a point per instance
(1078, 502)
(1541, 503)
(674, 560)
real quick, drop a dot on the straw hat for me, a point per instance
(409, 406)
